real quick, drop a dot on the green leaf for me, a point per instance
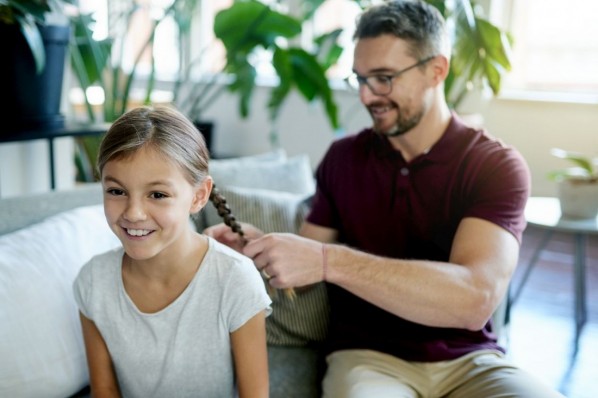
(34, 40)
(246, 25)
(328, 51)
(310, 79)
(244, 84)
(281, 61)
(576, 158)
(495, 43)
(31, 9)
(95, 54)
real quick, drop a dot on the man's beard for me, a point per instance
(402, 126)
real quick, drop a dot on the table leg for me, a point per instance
(51, 150)
(530, 265)
(580, 286)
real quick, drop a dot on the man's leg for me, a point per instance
(367, 374)
(487, 374)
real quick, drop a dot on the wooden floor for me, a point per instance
(541, 331)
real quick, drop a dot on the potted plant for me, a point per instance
(34, 50)
(577, 185)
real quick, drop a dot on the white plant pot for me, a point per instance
(578, 198)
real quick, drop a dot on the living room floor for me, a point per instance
(542, 327)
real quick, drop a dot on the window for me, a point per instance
(555, 45)
(202, 53)
(331, 14)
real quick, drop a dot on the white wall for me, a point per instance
(531, 126)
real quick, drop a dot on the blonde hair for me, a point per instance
(165, 130)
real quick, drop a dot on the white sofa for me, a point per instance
(46, 238)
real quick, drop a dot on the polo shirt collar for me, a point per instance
(441, 152)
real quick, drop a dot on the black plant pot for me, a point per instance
(29, 101)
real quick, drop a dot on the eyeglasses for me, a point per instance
(381, 84)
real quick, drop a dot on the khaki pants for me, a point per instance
(483, 374)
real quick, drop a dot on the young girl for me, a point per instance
(172, 313)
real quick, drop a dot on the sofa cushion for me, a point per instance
(294, 322)
(21, 211)
(275, 155)
(40, 337)
(290, 175)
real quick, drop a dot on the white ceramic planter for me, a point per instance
(578, 198)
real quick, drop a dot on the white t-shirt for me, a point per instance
(183, 350)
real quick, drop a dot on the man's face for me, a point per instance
(402, 109)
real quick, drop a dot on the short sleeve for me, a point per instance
(502, 191)
(245, 294)
(81, 289)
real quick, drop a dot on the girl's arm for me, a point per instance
(251, 357)
(102, 378)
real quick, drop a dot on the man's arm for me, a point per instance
(462, 293)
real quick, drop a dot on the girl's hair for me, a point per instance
(163, 129)
(170, 133)
(415, 21)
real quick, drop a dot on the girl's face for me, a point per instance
(147, 203)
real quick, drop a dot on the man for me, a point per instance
(421, 219)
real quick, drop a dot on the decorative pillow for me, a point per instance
(291, 175)
(294, 322)
(40, 336)
(276, 155)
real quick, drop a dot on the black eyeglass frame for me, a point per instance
(387, 78)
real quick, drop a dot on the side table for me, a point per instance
(545, 213)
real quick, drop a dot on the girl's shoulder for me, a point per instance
(225, 259)
(102, 264)
(224, 252)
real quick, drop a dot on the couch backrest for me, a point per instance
(19, 212)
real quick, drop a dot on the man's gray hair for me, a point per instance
(415, 21)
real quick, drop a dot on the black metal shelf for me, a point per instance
(69, 130)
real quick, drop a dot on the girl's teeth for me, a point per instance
(138, 232)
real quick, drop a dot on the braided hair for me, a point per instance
(224, 211)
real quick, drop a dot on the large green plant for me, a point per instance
(248, 26)
(481, 50)
(28, 14)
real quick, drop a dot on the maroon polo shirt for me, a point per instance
(383, 205)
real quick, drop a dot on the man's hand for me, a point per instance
(287, 259)
(225, 235)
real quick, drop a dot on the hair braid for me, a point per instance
(224, 211)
